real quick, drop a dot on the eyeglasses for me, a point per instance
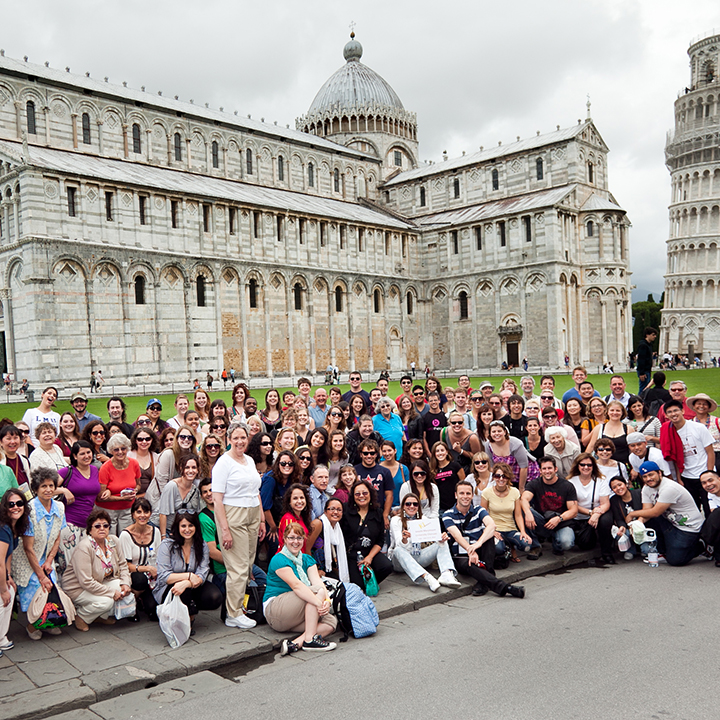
(97, 432)
(101, 526)
(184, 436)
(15, 503)
(410, 503)
(143, 422)
(119, 450)
(286, 463)
(144, 439)
(456, 422)
(212, 447)
(585, 465)
(480, 462)
(419, 473)
(294, 539)
(333, 509)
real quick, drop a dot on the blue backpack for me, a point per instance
(355, 611)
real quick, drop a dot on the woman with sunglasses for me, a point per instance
(446, 474)
(180, 494)
(97, 575)
(270, 414)
(260, 449)
(144, 448)
(139, 543)
(297, 509)
(414, 558)
(505, 449)
(609, 467)
(275, 483)
(463, 443)
(96, 435)
(218, 426)
(594, 519)
(502, 501)
(183, 563)
(14, 522)
(335, 420)
(81, 488)
(211, 450)
(168, 466)
(347, 476)
(303, 458)
(421, 484)
(363, 527)
(481, 475)
(337, 456)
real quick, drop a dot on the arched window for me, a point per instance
(86, 129)
(495, 179)
(215, 154)
(252, 290)
(297, 292)
(409, 303)
(539, 168)
(338, 299)
(422, 197)
(376, 301)
(248, 160)
(178, 147)
(463, 305)
(456, 187)
(281, 168)
(591, 173)
(139, 290)
(311, 175)
(336, 180)
(200, 291)
(137, 144)
(590, 228)
(31, 125)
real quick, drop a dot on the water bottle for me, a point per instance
(360, 558)
(652, 548)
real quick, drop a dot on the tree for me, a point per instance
(646, 314)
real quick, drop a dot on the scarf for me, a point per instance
(297, 563)
(672, 447)
(334, 536)
(105, 557)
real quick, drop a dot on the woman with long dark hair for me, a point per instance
(297, 509)
(421, 484)
(14, 522)
(260, 449)
(275, 483)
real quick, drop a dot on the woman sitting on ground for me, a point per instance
(414, 558)
(139, 543)
(183, 561)
(329, 550)
(295, 597)
(421, 484)
(97, 575)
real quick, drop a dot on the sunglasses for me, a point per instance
(604, 449)
(212, 447)
(456, 422)
(419, 394)
(335, 414)
(410, 504)
(97, 432)
(304, 458)
(476, 399)
(15, 503)
(265, 443)
(285, 463)
(419, 473)
(143, 422)
(361, 494)
(185, 437)
(155, 407)
(218, 427)
(101, 526)
(585, 465)
(24, 432)
(498, 475)
(144, 439)
(368, 452)
(480, 462)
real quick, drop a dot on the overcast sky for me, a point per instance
(474, 71)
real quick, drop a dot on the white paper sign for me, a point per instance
(424, 530)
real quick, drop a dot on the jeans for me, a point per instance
(678, 546)
(642, 384)
(512, 537)
(562, 539)
(414, 565)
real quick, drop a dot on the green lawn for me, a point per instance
(707, 381)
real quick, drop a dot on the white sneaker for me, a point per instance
(628, 556)
(448, 579)
(433, 584)
(242, 621)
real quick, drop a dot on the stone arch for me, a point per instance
(14, 270)
(102, 267)
(135, 117)
(141, 267)
(173, 275)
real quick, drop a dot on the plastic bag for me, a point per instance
(174, 620)
(125, 607)
(371, 584)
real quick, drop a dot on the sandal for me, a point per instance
(515, 559)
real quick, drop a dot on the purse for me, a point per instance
(370, 581)
(125, 607)
(47, 611)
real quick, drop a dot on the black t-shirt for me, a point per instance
(551, 497)
(516, 428)
(433, 423)
(446, 479)
(380, 478)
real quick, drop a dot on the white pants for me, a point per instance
(6, 615)
(119, 520)
(90, 607)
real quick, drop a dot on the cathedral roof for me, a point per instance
(594, 202)
(354, 85)
(166, 180)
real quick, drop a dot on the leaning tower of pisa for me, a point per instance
(691, 316)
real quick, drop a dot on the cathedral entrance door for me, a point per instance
(513, 354)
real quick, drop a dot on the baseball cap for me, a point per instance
(78, 396)
(647, 467)
(487, 384)
(153, 401)
(636, 437)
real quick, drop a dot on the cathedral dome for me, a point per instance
(354, 86)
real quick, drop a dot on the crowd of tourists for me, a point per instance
(307, 488)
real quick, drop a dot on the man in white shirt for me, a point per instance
(640, 453)
(670, 510)
(42, 413)
(619, 393)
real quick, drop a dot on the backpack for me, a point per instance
(355, 612)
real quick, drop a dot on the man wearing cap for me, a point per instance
(153, 410)
(79, 402)
(670, 510)
(690, 446)
(640, 452)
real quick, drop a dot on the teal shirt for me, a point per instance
(276, 585)
(7, 479)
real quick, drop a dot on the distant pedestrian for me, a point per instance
(232, 375)
(209, 381)
(224, 377)
(412, 368)
(645, 358)
(93, 382)
(525, 364)
(99, 381)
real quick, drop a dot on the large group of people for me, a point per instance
(304, 489)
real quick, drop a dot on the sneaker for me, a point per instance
(433, 584)
(447, 579)
(517, 591)
(318, 644)
(34, 633)
(628, 556)
(242, 621)
(288, 647)
(662, 560)
(535, 554)
(479, 590)
(7, 645)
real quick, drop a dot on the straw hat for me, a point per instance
(701, 396)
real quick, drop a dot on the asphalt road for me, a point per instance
(622, 642)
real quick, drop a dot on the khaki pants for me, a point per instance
(6, 615)
(244, 523)
(90, 607)
(286, 612)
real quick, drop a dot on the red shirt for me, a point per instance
(117, 481)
